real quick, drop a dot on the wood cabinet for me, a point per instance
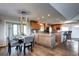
(55, 27)
(58, 38)
(34, 25)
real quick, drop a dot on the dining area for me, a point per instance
(21, 45)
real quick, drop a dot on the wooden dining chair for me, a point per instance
(28, 43)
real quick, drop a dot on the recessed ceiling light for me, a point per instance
(42, 16)
(48, 14)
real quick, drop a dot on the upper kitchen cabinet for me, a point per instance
(34, 25)
(55, 27)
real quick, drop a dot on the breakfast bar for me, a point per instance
(45, 39)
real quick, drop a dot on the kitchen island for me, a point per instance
(45, 39)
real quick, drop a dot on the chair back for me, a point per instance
(9, 46)
(28, 39)
(8, 39)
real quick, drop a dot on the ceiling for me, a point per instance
(10, 10)
(68, 10)
(58, 11)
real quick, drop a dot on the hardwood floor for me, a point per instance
(70, 48)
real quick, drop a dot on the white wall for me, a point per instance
(2, 33)
(75, 32)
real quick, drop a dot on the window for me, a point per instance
(64, 28)
(15, 31)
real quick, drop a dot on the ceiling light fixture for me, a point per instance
(42, 16)
(48, 15)
(24, 12)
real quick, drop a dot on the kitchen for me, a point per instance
(49, 28)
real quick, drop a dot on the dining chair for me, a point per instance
(28, 43)
(19, 45)
(9, 46)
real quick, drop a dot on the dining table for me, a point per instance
(21, 40)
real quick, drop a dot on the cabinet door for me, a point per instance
(36, 39)
(41, 40)
(35, 25)
(46, 41)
